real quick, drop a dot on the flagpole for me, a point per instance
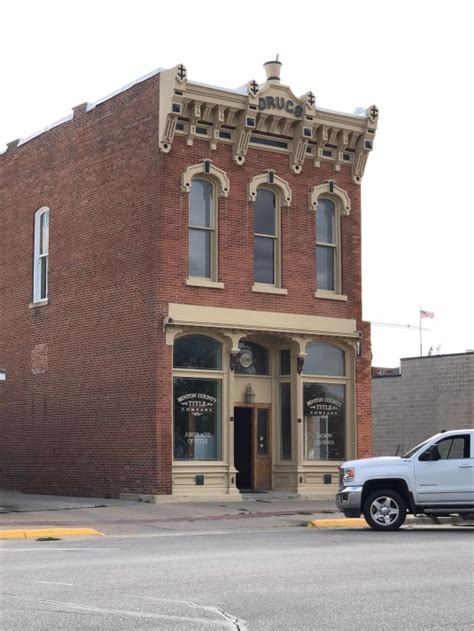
(421, 342)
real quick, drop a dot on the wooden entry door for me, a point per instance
(252, 446)
(262, 449)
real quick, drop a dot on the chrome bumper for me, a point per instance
(348, 500)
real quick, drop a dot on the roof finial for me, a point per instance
(272, 68)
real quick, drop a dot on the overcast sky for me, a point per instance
(414, 60)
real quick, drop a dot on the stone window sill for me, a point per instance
(329, 295)
(40, 303)
(194, 281)
(269, 289)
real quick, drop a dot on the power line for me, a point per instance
(393, 325)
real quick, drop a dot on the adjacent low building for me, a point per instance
(425, 396)
(181, 293)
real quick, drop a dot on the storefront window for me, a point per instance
(197, 419)
(324, 421)
(197, 352)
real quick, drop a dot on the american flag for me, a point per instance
(426, 314)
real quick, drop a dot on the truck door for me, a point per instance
(449, 480)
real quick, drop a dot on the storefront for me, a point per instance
(256, 409)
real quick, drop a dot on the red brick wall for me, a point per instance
(84, 421)
(86, 407)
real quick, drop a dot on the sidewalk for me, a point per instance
(19, 511)
(23, 511)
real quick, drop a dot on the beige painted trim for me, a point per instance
(268, 289)
(329, 295)
(240, 113)
(269, 179)
(207, 169)
(246, 319)
(330, 188)
(196, 281)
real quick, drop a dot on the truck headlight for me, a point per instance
(348, 474)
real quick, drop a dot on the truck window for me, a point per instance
(454, 447)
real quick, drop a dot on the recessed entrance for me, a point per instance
(252, 451)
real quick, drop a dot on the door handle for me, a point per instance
(466, 466)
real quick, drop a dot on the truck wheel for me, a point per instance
(385, 510)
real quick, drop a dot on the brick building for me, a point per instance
(172, 321)
(427, 395)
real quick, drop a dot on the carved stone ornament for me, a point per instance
(206, 168)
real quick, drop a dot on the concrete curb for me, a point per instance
(419, 520)
(345, 522)
(49, 532)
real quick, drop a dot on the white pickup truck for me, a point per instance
(434, 478)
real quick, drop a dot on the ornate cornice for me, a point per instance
(267, 116)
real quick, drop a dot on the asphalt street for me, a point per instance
(280, 578)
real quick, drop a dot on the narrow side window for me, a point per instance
(40, 257)
(266, 246)
(327, 246)
(202, 230)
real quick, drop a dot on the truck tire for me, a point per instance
(385, 509)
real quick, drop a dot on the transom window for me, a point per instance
(197, 352)
(327, 246)
(324, 359)
(202, 230)
(41, 254)
(266, 246)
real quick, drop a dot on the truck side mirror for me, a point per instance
(432, 453)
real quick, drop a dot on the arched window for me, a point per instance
(324, 359)
(197, 352)
(197, 397)
(253, 359)
(324, 402)
(202, 230)
(266, 239)
(40, 256)
(327, 247)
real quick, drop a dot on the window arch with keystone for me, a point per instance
(204, 183)
(330, 203)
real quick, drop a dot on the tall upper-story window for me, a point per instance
(266, 241)
(327, 246)
(202, 230)
(41, 249)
